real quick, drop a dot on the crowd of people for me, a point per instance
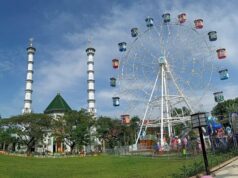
(219, 139)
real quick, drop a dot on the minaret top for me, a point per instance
(90, 50)
(31, 42)
(31, 49)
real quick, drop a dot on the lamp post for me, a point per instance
(199, 121)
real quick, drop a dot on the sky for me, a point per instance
(61, 29)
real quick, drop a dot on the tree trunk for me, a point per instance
(71, 148)
(103, 146)
(29, 149)
(13, 146)
(4, 146)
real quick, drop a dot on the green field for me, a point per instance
(89, 167)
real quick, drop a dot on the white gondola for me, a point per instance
(149, 22)
(134, 32)
(122, 46)
(116, 101)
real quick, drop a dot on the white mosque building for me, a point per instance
(58, 106)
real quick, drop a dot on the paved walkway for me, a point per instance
(228, 171)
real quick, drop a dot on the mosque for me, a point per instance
(58, 106)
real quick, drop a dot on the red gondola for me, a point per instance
(221, 53)
(115, 63)
(198, 23)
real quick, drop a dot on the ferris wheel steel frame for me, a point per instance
(165, 74)
(165, 117)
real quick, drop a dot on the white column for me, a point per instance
(29, 79)
(166, 98)
(162, 107)
(91, 81)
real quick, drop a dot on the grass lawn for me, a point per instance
(89, 167)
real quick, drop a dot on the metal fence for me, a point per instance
(193, 148)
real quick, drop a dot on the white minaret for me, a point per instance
(91, 90)
(29, 80)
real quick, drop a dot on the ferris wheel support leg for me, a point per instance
(167, 103)
(169, 129)
(162, 108)
(147, 108)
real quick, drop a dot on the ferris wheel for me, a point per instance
(168, 65)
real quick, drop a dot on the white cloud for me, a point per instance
(6, 66)
(63, 71)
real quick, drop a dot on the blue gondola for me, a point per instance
(122, 46)
(149, 22)
(166, 17)
(134, 32)
(116, 101)
(224, 74)
(212, 35)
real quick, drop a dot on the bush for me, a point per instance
(198, 166)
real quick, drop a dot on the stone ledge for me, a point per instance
(216, 168)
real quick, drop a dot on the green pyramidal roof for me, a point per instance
(57, 105)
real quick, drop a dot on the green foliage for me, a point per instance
(103, 126)
(28, 128)
(74, 128)
(114, 133)
(108, 131)
(226, 107)
(197, 167)
(178, 129)
(5, 138)
(190, 170)
(184, 111)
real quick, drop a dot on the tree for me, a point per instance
(180, 112)
(5, 137)
(103, 125)
(184, 111)
(129, 132)
(108, 131)
(134, 125)
(114, 133)
(29, 129)
(226, 107)
(74, 128)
